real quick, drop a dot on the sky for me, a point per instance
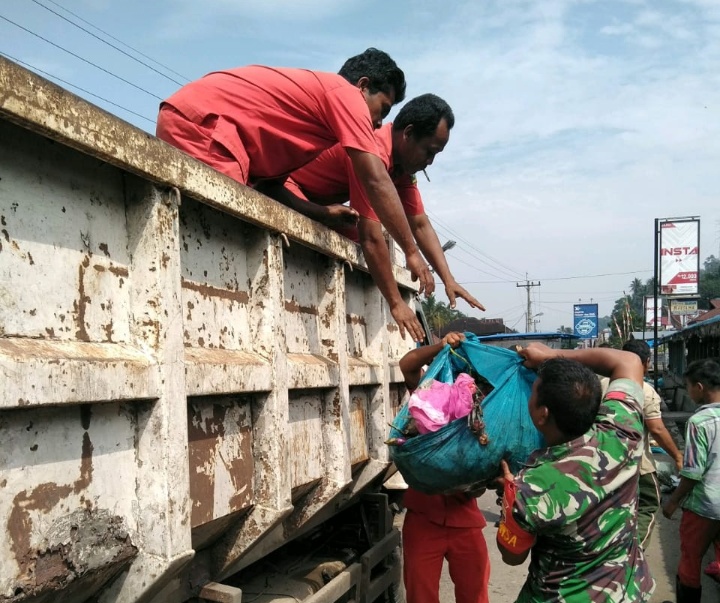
(578, 122)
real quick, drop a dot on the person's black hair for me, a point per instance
(376, 65)
(424, 113)
(706, 372)
(572, 394)
(639, 348)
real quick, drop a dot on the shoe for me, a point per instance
(713, 570)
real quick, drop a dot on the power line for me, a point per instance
(87, 31)
(109, 35)
(12, 58)
(560, 278)
(474, 267)
(450, 234)
(77, 56)
(504, 268)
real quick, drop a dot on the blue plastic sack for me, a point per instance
(452, 458)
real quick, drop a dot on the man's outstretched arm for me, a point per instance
(412, 363)
(382, 194)
(377, 257)
(615, 364)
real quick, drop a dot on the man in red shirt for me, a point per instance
(408, 145)
(441, 527)
(257, 124)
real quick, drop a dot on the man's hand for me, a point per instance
(453, 339)
(420, 270)
(535, 354)
(454, 290)
(406, 318)
(340, 216)
(669, 508)
(505, 475)
(679, 462)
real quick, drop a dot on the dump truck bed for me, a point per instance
(191, 375)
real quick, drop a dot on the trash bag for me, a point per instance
(453, 458)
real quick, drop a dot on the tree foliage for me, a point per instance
(709, 285)
(438, 313)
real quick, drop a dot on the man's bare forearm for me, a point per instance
(377, 257)
(662, 436)
(383, 197)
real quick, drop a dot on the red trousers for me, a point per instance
(426, 544)
(697, 533)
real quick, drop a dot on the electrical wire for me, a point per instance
(77, 56)
(109, 35)
(560, 278)
(505, 268)
(12, 58)
(87, 31)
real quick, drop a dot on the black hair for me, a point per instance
(706, 372)
(571, 392)
(639, 348)
(424, 114)
(376, 65)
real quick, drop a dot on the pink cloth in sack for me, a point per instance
(434, 404)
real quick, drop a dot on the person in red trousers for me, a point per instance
(439, 527)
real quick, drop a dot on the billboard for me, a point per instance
(585, 320)
(684, 307)
(679, 259)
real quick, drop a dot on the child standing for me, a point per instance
(699, 489)
(438, 527)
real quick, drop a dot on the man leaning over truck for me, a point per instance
(407, 145)
(257, 124)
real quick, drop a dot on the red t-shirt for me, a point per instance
(330, 179)
(282, 118)
(453, 511)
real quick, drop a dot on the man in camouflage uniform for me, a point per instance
(574, 505)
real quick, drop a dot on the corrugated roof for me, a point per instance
(710, 326)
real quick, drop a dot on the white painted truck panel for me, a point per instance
(190, 374)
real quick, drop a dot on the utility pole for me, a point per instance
(527, 285)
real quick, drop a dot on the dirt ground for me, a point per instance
(663, 552)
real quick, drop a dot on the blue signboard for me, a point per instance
(585, 320)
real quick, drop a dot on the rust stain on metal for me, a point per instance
(208, 291)
(358, 430)
(328, 315)
(354, 319)
(393, 328)
(108, 328)
(80, 304)
(154, 335)
(43, 498)
(118, 271)
(206, 438)
(296, 308)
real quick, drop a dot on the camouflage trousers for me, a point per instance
(648, 506)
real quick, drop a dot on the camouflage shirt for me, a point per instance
(579, 499)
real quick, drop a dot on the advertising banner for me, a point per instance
(650, 311)
(679, 257)
(683, 307)
(585, 320)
